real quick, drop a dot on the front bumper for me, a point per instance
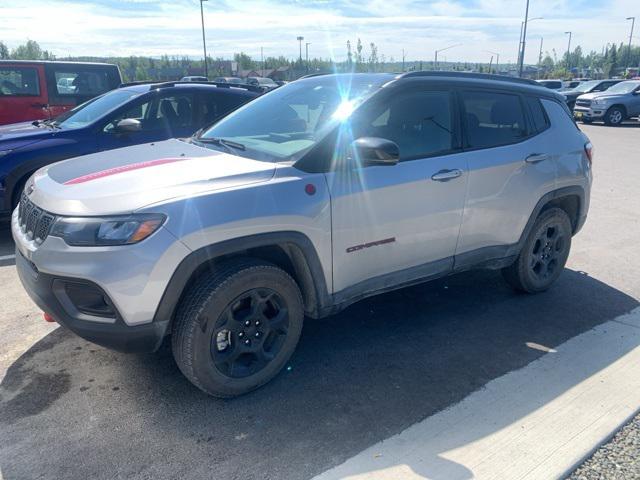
(115, 335)
(130, 279)
(589, 113)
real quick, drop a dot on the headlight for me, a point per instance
(598, 102)
(4, 152)
(103, 231)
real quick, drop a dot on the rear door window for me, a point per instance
(216, 105)
(69, 84)
(19, 82)
(492, 119)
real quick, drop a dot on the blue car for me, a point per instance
(129, 115)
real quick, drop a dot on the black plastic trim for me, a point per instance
(305, 260)
(113, 334)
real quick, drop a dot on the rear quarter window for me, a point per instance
(539, 118)
(19, 82)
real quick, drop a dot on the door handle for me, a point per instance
(446, 175)
(39, 105)
(536, 158)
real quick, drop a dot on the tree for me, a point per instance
(4, 51)
(31, 51)
(349, 55)
(373, 57)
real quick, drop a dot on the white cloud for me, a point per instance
(142, 27)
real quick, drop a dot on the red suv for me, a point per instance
(33, 90)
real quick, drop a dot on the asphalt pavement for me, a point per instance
(70, 409)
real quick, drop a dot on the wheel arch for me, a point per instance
(291, 251)
(570, 199)
(621, 106)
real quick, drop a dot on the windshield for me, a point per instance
(586, 86)
(284, 124)
(90, 111)
(624, 87)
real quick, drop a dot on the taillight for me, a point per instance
(588, 149)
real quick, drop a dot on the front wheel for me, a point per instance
(237, 327)
(544, 253)
(614, 116)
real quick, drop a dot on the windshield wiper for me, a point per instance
(221, 141)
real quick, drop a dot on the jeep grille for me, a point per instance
(34, 222)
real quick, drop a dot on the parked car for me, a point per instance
(34, 90)
(613, 106)
(126, 116)
(551, 84)
(228, 80)
(194, 79)
(587, 87)
(570, 84)
(264, 83)
(325, 191)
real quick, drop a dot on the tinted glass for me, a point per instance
(540, 121)
(78, 82)
(94, 109)
(160, 113)
(492, 119)
(19, 81)
(216, 105)
(420, 123)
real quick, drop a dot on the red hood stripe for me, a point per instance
(122, 169)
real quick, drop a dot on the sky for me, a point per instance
(156, 27)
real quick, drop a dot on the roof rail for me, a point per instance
(479, 76)
(169, 84)
(311, 75)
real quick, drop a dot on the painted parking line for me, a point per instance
(7, 257)
(537, 422)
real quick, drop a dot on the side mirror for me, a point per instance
(128, 125)
(376, 151)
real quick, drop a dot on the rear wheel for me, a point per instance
(544, 253)
(614, 116)
(237, 327)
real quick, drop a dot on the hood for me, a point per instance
(599, 95)
(127, 179)
(18, 135)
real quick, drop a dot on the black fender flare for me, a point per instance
(297, 246)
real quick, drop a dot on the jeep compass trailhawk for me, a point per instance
(323, 192)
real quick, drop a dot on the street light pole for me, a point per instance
(568, 52)
(300, 39)
(204, 41)
(307, 54)
(403, 59)
(524, 39)
(435, 65)
(633, 22)
(540, 57)
(497, 60)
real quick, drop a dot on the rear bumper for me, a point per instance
(112, 333)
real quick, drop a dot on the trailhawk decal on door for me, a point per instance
(122, 169)
(377, 243)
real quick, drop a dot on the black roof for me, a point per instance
(54, 62)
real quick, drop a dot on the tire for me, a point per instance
(543, 255)
(586, 120)
(237, 327)
(614, 116)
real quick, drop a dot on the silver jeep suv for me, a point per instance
(323, 192)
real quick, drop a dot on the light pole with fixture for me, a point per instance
(633, 22)
(204, 41)
(300, 39)
(568, 52)
(435, 65)
(523, 39)
(497, 60)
